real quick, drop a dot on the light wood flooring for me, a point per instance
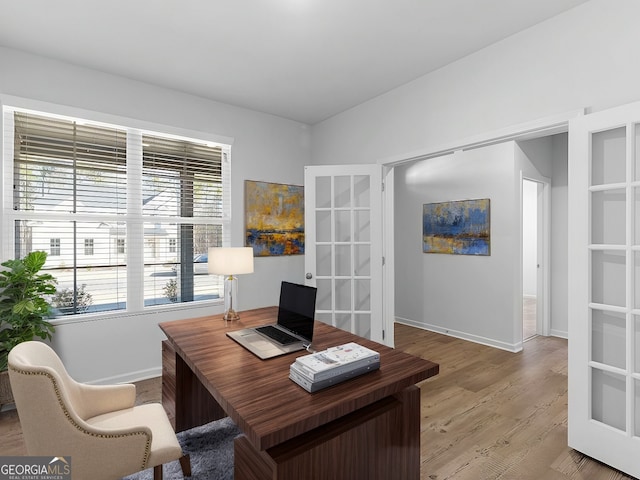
(528, 317)
(489, 414)
(492, 414)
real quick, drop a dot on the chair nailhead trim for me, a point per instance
(147, 449)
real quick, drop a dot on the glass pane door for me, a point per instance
(608, 252)
(604, 286)
(343, 246)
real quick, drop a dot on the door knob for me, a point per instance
(308, 276)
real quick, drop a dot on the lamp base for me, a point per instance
(231, 316)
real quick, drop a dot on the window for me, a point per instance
(141, 205)
(54, 247)
(88, 246)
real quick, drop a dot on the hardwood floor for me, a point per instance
(489, 414)
(528, 317)
(492, 414)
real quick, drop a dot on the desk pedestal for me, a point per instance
(381, 441)
(186, 401)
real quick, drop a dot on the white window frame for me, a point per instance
(135, 292)
(54, 246)
(89, 246)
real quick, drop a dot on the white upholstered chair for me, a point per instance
(106, 436)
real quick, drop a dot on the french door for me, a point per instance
(604, 286)
(343, 246)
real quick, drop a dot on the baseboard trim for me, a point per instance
(129, 377)
(509, 347)
(559, 333)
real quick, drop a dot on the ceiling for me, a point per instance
(305, 60)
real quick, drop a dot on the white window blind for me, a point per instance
(126, 217)
(62, 166)
(183, 181)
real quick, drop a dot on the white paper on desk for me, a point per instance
(336, 356)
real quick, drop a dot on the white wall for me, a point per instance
(583, 58)
(265, 148)
(470, 297)
(477, 298)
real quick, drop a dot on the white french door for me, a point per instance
(604, 286)
(343, 246)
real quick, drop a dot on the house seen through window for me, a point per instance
(126, 216)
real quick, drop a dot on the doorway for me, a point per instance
(530, 265)
(535, 257)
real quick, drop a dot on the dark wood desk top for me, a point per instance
(258, 394)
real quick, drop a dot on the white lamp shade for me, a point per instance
(230, 260)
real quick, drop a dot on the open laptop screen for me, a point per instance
(297, 309)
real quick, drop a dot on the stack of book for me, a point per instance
(319, 370)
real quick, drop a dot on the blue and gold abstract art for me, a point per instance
(274, 218)
(457, 227)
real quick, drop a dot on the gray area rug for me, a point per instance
(211, 450)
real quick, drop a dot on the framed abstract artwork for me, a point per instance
(458, 227)
(274, 218)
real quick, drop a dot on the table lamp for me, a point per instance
(230, 261)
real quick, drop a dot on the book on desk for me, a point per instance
(335, 365)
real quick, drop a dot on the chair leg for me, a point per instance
(157, 472)
(185, 464)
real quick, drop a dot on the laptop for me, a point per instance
(292, 332)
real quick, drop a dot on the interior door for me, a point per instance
(343, 246)
(536, 241)
(530, 258)
(604, 286)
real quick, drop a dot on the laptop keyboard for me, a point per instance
(277, 334)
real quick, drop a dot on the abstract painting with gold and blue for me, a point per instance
(274, 218)
(458, 227)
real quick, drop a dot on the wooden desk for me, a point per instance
(367, 427)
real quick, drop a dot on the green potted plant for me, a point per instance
(24, 308)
